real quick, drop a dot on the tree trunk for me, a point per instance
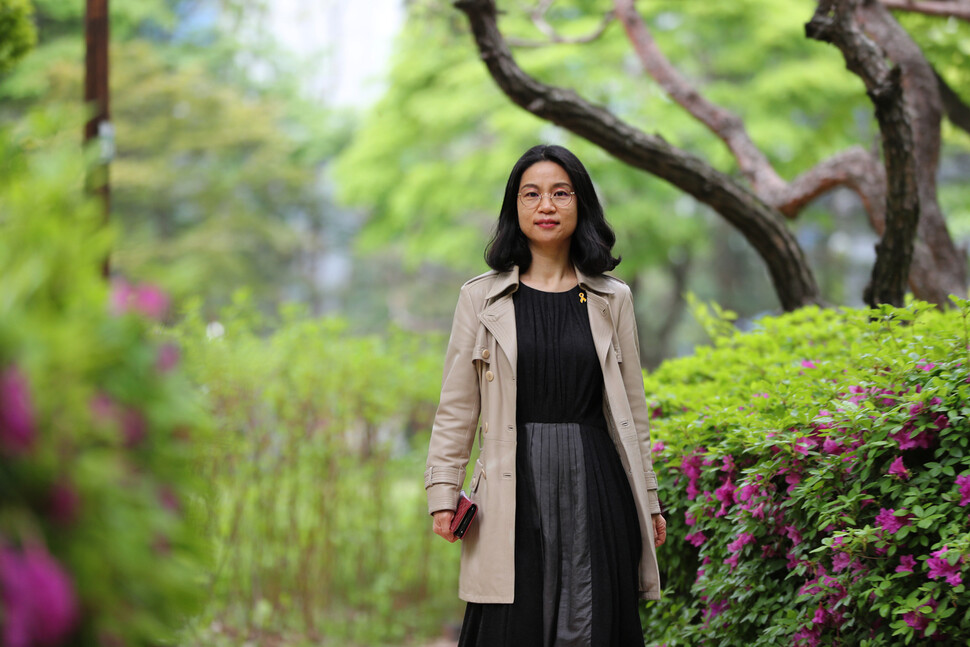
(835, 22)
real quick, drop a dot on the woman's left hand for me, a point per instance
(659, 530)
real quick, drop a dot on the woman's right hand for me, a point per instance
(442, 524)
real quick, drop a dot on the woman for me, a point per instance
(544, 354)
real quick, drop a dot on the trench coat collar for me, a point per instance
(504, 280)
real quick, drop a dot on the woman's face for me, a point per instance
(547, 224)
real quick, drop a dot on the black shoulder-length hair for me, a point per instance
(592, 243)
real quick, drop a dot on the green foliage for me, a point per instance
(816, 475)
(100, 436)
(128, 17)
(17, 32)
(321, 520)
(209, 181)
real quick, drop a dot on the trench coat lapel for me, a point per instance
(498, 315)
(499, 318)
(600, 324)
(600, 316)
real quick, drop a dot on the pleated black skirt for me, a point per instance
(577, 547)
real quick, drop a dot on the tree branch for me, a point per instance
(834, 23)
(555, 38)
(959, 10)
(723, 123)
(761, 225)
(957, 111)
(855, 168)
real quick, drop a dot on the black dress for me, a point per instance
(577, 538)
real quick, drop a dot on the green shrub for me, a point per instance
(816, 477)
(17, 32)
(320, 520)
(98, 432)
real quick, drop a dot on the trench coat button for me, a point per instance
(485, 354)
(489, 376)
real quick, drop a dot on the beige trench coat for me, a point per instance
(479, 386)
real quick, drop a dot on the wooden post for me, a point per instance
(96, 97)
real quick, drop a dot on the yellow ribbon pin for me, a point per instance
(582, 298)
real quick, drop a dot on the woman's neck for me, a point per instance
(550, 272)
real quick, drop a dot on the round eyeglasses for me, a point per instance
(560, 198)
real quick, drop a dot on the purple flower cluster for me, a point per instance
(889, 522)
(963, 482)
(39, 604)
(148, 300)
(906, 564)
(17, 424)
(919, 621)
(940, 567)
(131, 422)
(897, 468)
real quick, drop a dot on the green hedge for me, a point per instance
(99, 503)
(816, 476)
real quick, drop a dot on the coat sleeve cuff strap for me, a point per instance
(435, 474)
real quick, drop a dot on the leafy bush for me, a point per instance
(321, 523)
(816, 476)
(17, 32)
(98, 431)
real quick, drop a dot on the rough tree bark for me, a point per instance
(762, 225)
(959, 9)
(941, 269)
(835, 22)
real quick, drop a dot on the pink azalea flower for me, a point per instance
(63, 503)
(808, 637)
(732, 561)
(689, 518)
(906, 440)
(939, 566)
(906, 564)
(17, 424)
(889, 522)
(691, 468)
(897, 468)
(725, 494)
(134, 427)
(168, 358)
(793, 535)
(919, 621)
(716, 608)
(807, 363)
(963, 482)
(926, 366)
(169, 499)
(746, 491)
(696, 538)
(819, 617)
(841, 561)
(39, 604)
(146, 299)
(740, 542)
(941, 421)
(831, 446)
